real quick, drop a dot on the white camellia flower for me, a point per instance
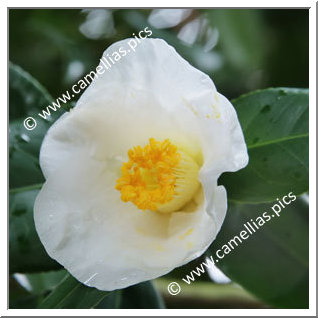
(131, 172)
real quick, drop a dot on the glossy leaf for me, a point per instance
(19, 297)
(26, 252)
(272, 263)
(71, 294)
(275, 126)
(27, 98)
(140, 296)
(24, 168)
(27, 95)
(45, 281)
(112, 301)
(28, 290)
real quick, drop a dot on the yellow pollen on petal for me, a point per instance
(158, 177)
(183, 236)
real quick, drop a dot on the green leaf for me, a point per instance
(19, 297)
(112, 301)
(28, 290)
(272, 263)
(26, 252)
(45, 281)
(24, 147)
(71, 294)
(275, 126)
(27, 96)
(142, 296)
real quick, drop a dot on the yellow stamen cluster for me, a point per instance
(148, 179)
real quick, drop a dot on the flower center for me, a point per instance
(158, 177)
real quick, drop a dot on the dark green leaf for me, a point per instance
(24, 147)
(275, 125)
(45, 281)
(272, 263)
(26, 252)
(19, 297)
(71, 294)
(142, 296)
(112, 301)
(27, 95)
(27, 98)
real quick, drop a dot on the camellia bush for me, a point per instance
(151, 172)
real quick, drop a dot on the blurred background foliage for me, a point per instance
(242, 50)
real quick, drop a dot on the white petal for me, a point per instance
(155, 92)
(107, 244)
(79, 215)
